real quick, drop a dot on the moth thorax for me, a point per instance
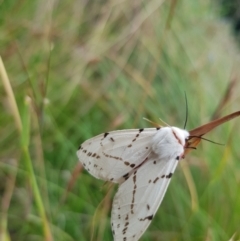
(169, 142)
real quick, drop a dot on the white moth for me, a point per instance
(142, 161)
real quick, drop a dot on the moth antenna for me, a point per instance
(186, 117)
(205, 139)
(164, 122)
(154, 123)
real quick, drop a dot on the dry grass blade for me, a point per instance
(198, 132)
(227, 96)
(6, 199)
(78, 168)
(191, 185)
(10, 94)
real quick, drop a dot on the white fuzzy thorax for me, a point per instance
(169, 142)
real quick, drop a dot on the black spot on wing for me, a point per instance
(112, 139)
(140, 130)
(126, 176)
(105, 134)
(134, 191)
(146, 218)
(156, 179)
(158, 128)
(126, 227)
(150, 217)
(169, 175)
(113, 157)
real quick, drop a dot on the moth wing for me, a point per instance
(139, 197)
(113, 156)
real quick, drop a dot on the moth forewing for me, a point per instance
(112, 156)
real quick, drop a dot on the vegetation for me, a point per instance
(80, 68)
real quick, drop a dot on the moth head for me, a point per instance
(180, 134)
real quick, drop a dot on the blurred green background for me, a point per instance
(79, 68)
